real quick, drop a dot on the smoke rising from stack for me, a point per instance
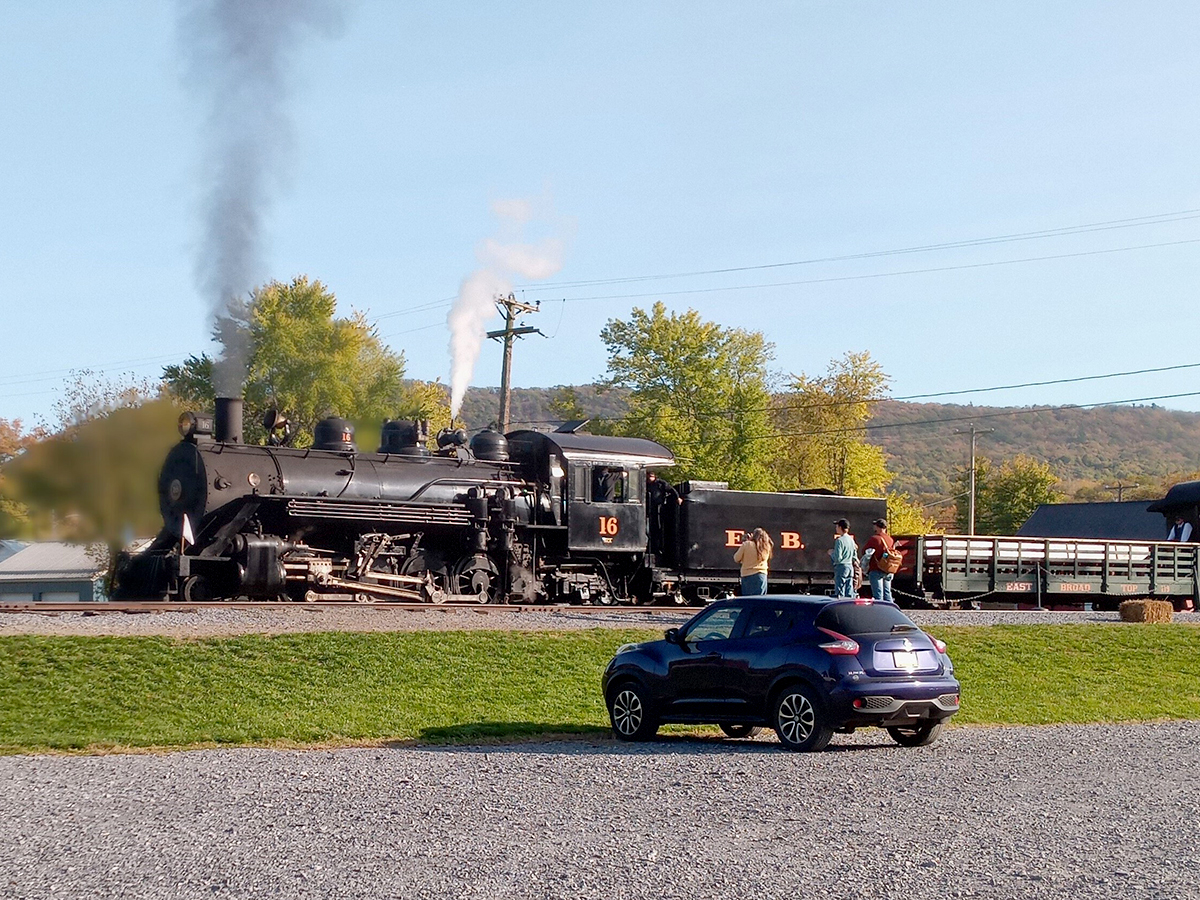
(503, 258)
(239, 54)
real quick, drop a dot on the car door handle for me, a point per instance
(713, 655)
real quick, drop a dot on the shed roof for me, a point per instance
(1128, 520)
(50, 561)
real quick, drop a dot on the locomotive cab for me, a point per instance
(594, 487)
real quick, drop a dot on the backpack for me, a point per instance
(891, 560)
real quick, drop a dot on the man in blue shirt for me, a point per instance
(843, 554)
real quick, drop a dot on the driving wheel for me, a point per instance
(478, 577)
(431, 568)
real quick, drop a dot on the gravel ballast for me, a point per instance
(205, 623)
(1054, 812)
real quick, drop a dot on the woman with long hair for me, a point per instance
(754, 555)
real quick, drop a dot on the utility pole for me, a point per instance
(510, 307)
(1120, 487)
(973, 432)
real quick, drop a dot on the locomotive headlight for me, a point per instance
(192, 424)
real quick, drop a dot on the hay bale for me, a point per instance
(1147, 611)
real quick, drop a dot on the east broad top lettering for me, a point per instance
(788, 540)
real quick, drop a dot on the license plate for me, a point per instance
(905, 659)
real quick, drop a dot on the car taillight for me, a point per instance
(840, 645)
(940, 645)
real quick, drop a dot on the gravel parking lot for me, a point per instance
(1060, 812)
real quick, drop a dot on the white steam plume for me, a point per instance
(504, 257)
(239, 53)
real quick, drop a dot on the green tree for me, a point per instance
(700, 389)
(305, 362)
(821, 421)
(1005, 496)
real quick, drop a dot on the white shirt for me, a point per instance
(1180, 532)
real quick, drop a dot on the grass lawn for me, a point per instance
(97, 693)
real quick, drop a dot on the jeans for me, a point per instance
(843, 580)
(754, 584)
(881, 585)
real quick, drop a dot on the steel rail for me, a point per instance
(155, 606)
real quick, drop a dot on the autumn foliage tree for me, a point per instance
(700, 389)
(14, 440)
(821, 420)
(92, 477)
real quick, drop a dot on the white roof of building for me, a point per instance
(50, 561)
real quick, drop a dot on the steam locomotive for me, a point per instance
(530, 516)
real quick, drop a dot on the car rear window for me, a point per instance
(861, 618)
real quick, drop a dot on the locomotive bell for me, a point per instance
(272, 421)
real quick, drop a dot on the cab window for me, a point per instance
(610, 484)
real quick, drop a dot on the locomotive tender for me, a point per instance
(529, 516)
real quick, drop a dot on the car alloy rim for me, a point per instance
(627, 712)
(796, 718)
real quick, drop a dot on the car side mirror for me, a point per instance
(672, 636)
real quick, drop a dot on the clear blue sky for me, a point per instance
(668, 138)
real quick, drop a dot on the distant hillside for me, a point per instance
(1081, 445)
(1105, 444)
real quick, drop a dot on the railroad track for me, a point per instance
(154, 606)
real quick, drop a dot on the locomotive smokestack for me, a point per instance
(229, 420)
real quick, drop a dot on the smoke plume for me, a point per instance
(239, 55)
(503, 258)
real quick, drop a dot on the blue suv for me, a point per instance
(805, 666)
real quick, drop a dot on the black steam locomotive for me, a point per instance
(523, 517)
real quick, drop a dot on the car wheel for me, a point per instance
(740, 731)
(921, 735)
(630, 714)
(800, 719)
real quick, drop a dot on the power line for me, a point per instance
(973, 418)
(54, 373)
(811, 281)
(834, 279)
(1139, 221)
(724, 413)
(1064, 231)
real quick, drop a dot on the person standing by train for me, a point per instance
(754, 555)
(879, 545)
(843, 554)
